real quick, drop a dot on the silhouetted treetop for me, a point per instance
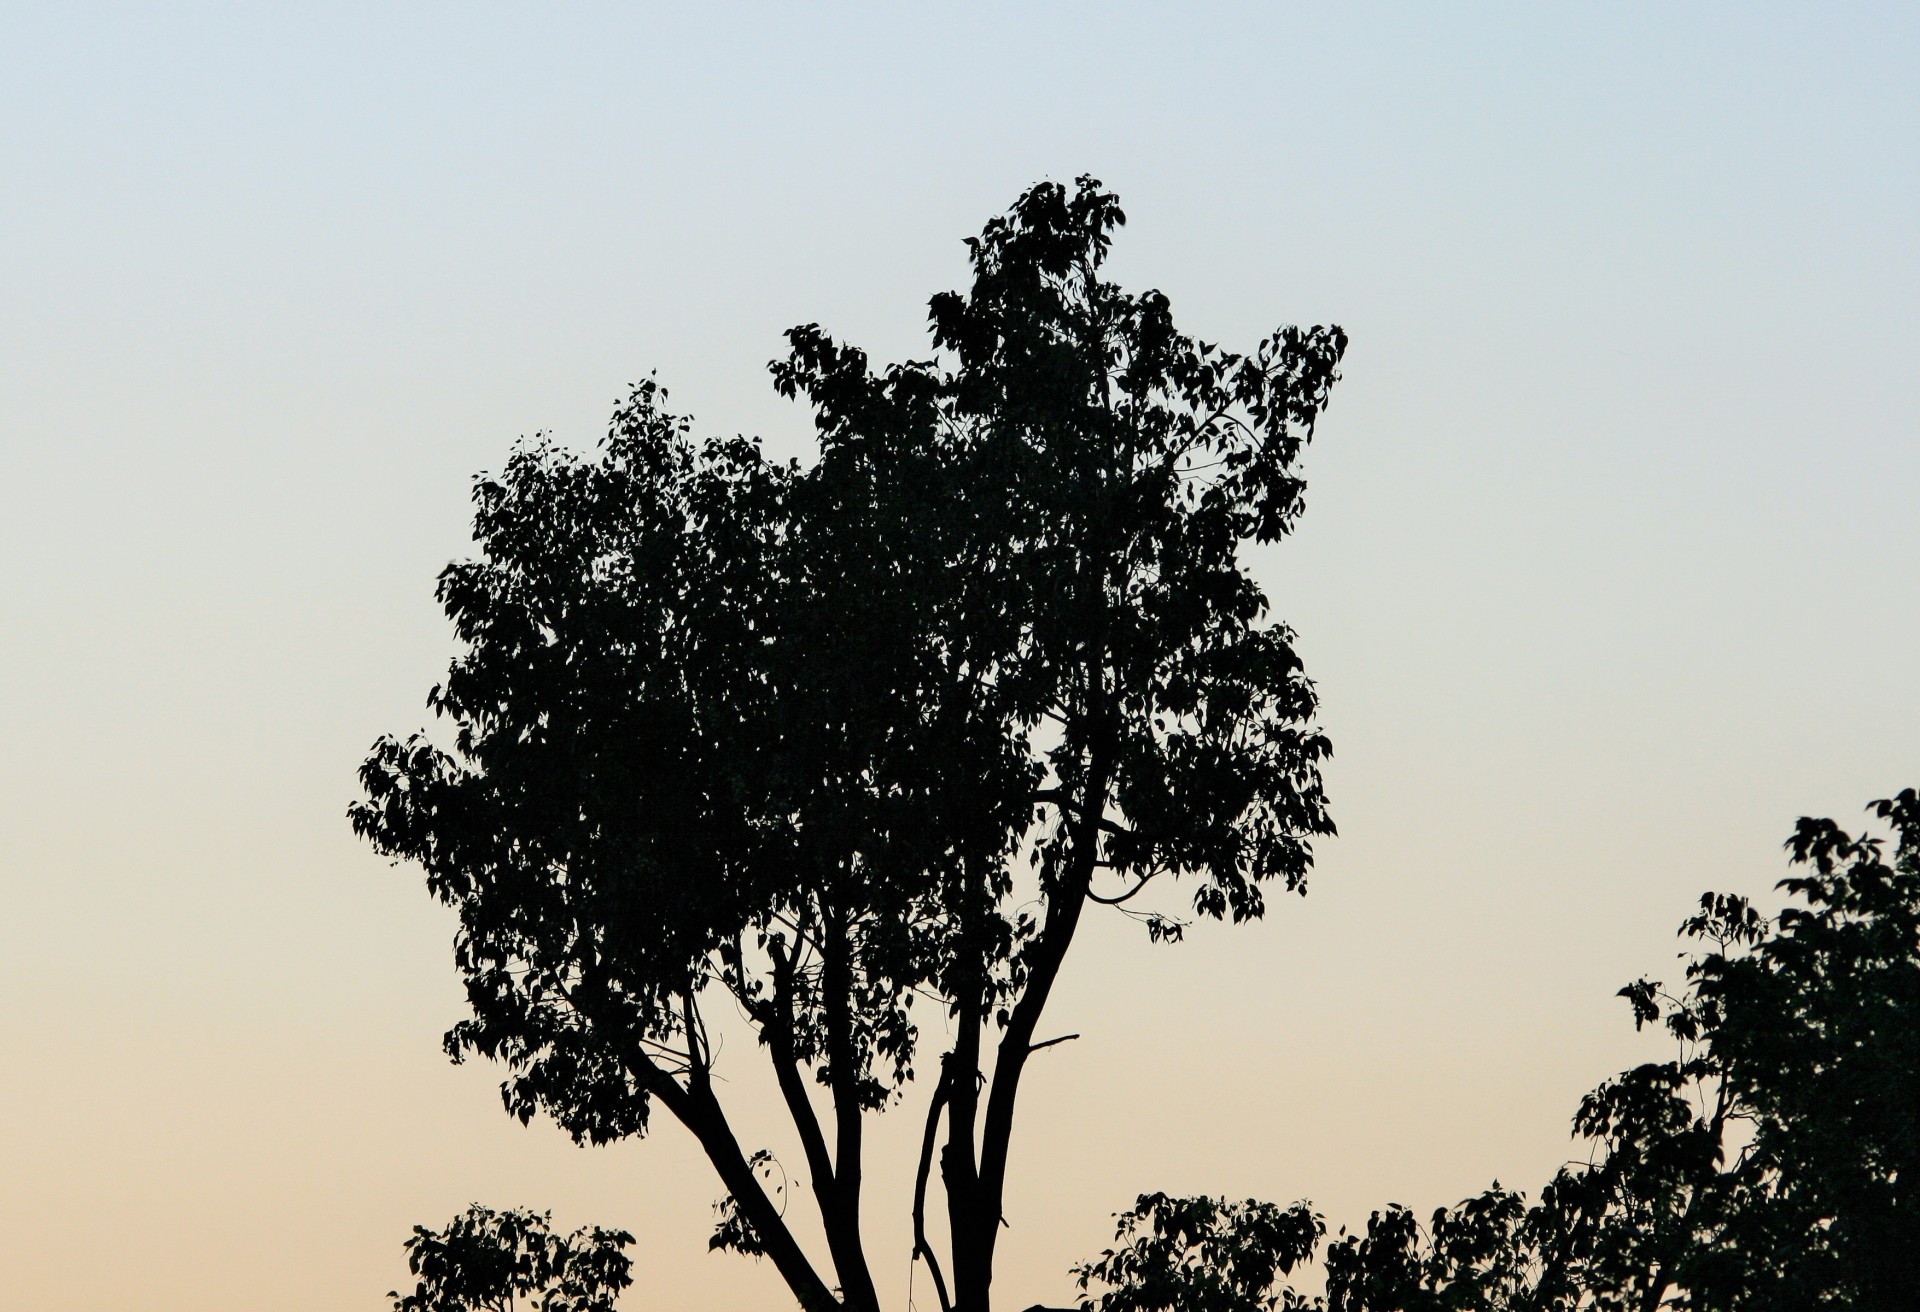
(1202, 1255)
(489, 1261)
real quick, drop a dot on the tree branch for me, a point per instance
(1127, 896)
(921, 1248)
(1016, 1043)
(843, 1074)
(695, 1107)
(786, 1069)
(959, 1165)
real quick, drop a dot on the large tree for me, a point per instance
(824, 739)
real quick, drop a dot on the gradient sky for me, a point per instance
(1607, 573)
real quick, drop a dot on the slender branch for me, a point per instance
(921, 1248)
(843, 1075)
(695, 1107)
(1059, 797)
(959, 1164)
(843, 1239)
(1049, 952)
(699, 1065)
(1048, 1043)
(786, 1068)
(1127, 896)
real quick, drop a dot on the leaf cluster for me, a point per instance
(1202, 1255)
(502, 1261)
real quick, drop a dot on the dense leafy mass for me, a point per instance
(1776, 1163)
(1771, 1166)
(488, 1261)
(818, 741)
(1203, 1255)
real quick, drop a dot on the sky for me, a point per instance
(1606, 574)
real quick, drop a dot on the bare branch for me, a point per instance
(1048, 1043)
(1127, 896)
(695, 1107)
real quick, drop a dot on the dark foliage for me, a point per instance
(1477, 1255)
(488, 1261)
(823, 740)
(1775, 1163)
(1771, 1166)
(1202, 1255)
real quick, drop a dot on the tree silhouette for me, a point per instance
(823, 741)
(488, 1261)
(1772, 1165)
(1203, 1255)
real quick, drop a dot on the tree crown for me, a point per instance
(830, 737)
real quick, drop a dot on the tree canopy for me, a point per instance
(1771, 1166)
(825, 740)
(488, 1261)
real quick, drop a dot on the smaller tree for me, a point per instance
(1773, 1164)
(488, 1261)
(1777, 1162)
(1202, 1255)
(1479, 1254)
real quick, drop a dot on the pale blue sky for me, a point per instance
(1608, 570)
